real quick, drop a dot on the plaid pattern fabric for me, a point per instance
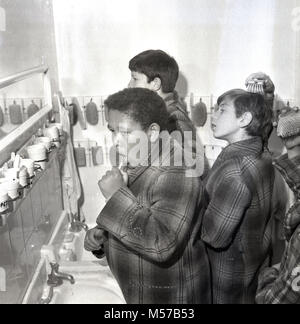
(289, 124)
(237, 222)
(153, 246)
(179, 118)
(283, 286)
(290, 170)
(180, 121)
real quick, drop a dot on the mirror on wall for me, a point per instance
(19, 102)
(27, 40)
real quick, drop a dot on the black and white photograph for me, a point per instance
(149, 154)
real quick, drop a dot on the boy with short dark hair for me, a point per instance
(149, 229)
(157, 71)
(237, 221)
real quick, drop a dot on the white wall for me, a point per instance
(27, 41)
(217, 43)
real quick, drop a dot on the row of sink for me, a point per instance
(76, 276)
(92, 283)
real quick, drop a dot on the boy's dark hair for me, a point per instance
(254, 103)
(157, 64)
(142, 105)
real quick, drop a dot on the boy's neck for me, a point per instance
(239, 138)
(163, 94)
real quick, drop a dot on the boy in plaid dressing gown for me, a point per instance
(236, 224)
(149, 228)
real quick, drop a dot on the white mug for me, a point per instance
(13, 188)
(59, 127)
(45, 141)
(37, 152)
(23, 177)
(29, 165)
(52, 132)
(11, 174)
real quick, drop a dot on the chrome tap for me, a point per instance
(76, 224)
(56, 279)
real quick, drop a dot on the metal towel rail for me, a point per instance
(14, 140)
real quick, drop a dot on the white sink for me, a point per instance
(94, 284)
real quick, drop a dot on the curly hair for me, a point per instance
(243, 101)
(157, 64)
(142, 105)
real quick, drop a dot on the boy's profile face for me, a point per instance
(125, 137)
(139, 80)
(225, 124)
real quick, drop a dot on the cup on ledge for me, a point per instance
(38, 153)
(59, 127)
(52, 132)
(23, 176)
(29, 165)
(45, 141)
(11, 174)
(13, 188)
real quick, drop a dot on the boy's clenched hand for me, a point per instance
(111, 183)
(94, 239)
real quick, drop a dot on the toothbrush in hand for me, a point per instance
(113, 181)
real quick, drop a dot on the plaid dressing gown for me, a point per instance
(283, 286)
(153, 246)
(179, 120)
(237, 222)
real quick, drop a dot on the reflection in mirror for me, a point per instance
(19, 102)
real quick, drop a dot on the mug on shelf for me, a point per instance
(29, 165)
(52, 132)
(59, 127)
(37, 152)
(23, 177)
(46, 141)
(13, 188)
(11, 174)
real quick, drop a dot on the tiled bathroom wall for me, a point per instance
(29, 226)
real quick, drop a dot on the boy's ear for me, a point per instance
(246, 119)
(156, 84)
(153, 132)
